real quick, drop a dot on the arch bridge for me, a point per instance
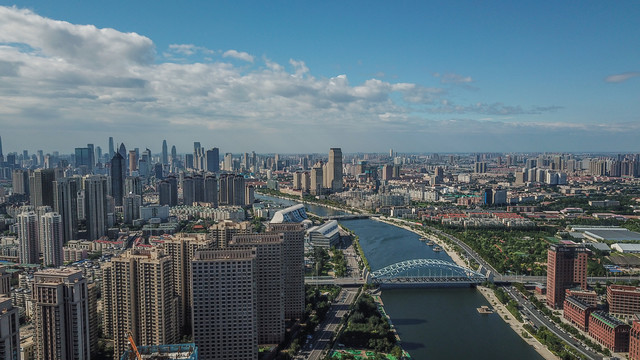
(425, 272)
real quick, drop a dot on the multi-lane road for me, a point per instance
(316, 347)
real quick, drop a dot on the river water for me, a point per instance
(432, 323)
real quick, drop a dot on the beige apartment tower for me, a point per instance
(61, 303)
(293, 250)
(9, 330)
(224, 293)
(270, 283)
(139, 297)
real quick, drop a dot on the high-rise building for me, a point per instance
(164, 193)
(165, 153)
(1, 155)
(10, 334)
(61, 307)
(83, 158)
(225, 325)
(28, 238)
(270, 283)
(95, 199)
(92, 155)
(20, 181)
(122, 150)
(334, 167)
(65, 196)
(188, 191)
(132, 185)
(174, 190)
(228, 162)
(41, 187)
(174, 154)
(139, 297)
(211, 190)
(293, 248)
(181, 248)
(111, 147)
(316, 179)
(133, 162)
(566, 268)
(623, 300)
(131, 208)
(213, 160)
(224, 231)
(118, 171)
(51, 236)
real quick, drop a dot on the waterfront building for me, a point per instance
(270, 283)
(609, 331)
(566, 268)
(61, 303)
(292, 214)
(623, 300)
(325, 235)
(577, 312)
(9, 330)
(225, 325)
(316, 179)
(333, 177)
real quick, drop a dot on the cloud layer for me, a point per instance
(63, 84)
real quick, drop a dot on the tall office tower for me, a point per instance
(316, 179)
(188, 161)
(224, 231)
(164, 193)
(112, 149)
(211, 190)
(228, 162)
(28, 237)
(254, 160)
(158, 171)
(41, 187)
(225, 320)
(51, 237)
(95, 199)
(213, 160)
(20, 181)
(165, 153)
(117, 178)
(144, 163)
(238, 191)
(188, 193)
(1, 155)
(98, 154)
(270, 283)
(174, 190)
(132, 185)
(245, 161)
(65, 203)
(40, 158)
(83, 158)
(139, 296)
(10, 334)
(198, 188)
(122, 150)
(196, 146)
(131, 208)
(133, 162)
(61, 314)
(293, 248)
(334, 176)
(92, 155)
(174, 153)
(276, 162)
(566, 268)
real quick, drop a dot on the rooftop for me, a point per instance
(618, 234)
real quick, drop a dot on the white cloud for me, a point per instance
(451, 78)
(618, 78)
(240, 55)
(189, 49)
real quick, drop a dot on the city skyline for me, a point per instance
(274, 77)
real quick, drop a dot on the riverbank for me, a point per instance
(454, 255)
(515, 325)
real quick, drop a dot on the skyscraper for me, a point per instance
(211, 190)
(95, 198)
(334, 167)
(10, 334)
(165, 153)
(174, 153)
(117, 178)
(41, 187)
(61, 307)
(52, 238)
(20, 181)
(164, 193)
(83, 158)
(1, 154)
(28, 237)
(174, 190)
(188, 193)
(316, 179)
(111, 148)
(228, 162)
(566, 268)
(225, 325)
(213, 160)
(122, 150)
(92, 156)
(139, 297)
(293, 249)
(133, 161)
(132, 185)
(65, 203)
(131, 208)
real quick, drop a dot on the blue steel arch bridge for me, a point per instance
(425, 272)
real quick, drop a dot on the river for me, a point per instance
(432, 323)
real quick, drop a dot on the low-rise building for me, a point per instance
(589, 297)
(611, 332)
(634, 341)
(325, 235)
(623, 300)
(577, 312)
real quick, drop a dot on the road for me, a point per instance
(316, 347)
(539, 320)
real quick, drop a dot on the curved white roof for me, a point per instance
(292, 214)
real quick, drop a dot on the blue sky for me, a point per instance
(305, 76)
